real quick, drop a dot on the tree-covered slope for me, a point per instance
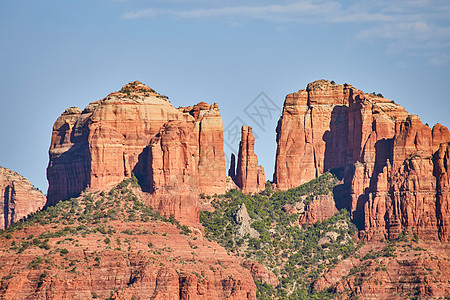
(297, 254)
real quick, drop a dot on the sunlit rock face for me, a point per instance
(98, 147)
(249, 175)
(394, 168)
(18, 198)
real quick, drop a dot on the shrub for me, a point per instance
(36, 263)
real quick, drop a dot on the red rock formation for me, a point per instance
(249, 175)
(304, 133)
(442, 173)
(232, 169)
(319, 209)
(259, 272)
(412, 192)
(100, 146)
(386, 158)
(173, 171)
(18, 198)
(176, 266)
(208, 129)
(422, 271)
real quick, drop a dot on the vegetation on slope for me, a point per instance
(298, 255)
(121, 203)
(74, 237)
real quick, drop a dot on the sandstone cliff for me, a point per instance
(18, 198)
(394, 167)
(249, 175)
(103, 144)
(208, 130)
(173, 172)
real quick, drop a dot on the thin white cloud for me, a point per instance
(395, 30)
(300, 12)
(144, 13)
(266, 12)
(404, 25)
(439, 59)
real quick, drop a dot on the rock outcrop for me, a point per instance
(249, 175)
(394, 167)
(245, 222)
(110, 139)
(19, 198)
(319, 209)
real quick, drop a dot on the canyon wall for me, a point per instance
(18, 198)
(394, 167)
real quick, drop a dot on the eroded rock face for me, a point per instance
(322, 207)
(101, 145)
(18, 198)
(422, 271)
(391, 163)
(304, 133)
(110, 139)
(249, 175)
(411, 193)
(208, 130)
(442, 169)
(173, 171)
(175, 267)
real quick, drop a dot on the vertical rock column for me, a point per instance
(249, 176)
(442, 169)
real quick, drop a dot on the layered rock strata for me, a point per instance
(249, 175)
(394, 167)
(110, 139)
(19, 198)
(173, 172)
(422, 270)
(176, 266)
(208, 131)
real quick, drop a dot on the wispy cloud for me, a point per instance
(300, 12)
(266, 12)
(405, 25)
(143, 13)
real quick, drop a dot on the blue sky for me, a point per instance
(57, 54)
